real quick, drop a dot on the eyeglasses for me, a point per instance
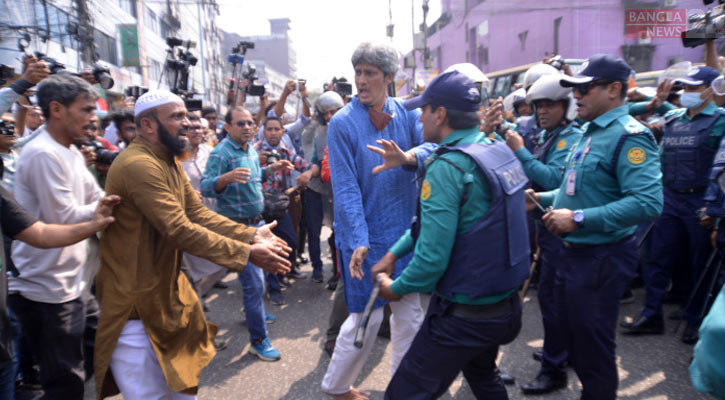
(242, 124)
(586, 87)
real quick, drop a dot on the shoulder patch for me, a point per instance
(561, 144)
(425, 190)
(636, 155)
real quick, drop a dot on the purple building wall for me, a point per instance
(522, 32)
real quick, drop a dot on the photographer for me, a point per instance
(291, 138)
(125, 126)
(34, 72)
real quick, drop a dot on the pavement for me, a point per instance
(650, 367)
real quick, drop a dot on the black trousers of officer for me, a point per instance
(554, 360)
(447, 344)
(590, 282)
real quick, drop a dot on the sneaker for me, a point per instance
(265, 351)
(269, 319)
(295, 274)
(275, 298)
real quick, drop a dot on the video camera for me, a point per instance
(136, 91)
(177, 69)
(6, 72)
(342, 87)
(248, 70)
(707, 25)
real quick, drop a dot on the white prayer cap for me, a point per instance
(155, 98)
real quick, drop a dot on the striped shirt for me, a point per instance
(237, 200)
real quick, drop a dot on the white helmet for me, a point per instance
(513, 99)
(329, 100)
(536, 72)
(547, 87)
(474, 74)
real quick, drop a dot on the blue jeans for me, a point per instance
(252, 280)
(7, 381)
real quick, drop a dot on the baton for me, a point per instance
(360, 334)
(537, 204)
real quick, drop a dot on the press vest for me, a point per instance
(686, 157)
(492, 256)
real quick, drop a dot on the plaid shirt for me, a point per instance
(237, 200)
(281, 180)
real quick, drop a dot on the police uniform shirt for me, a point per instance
(614, 200)
(443, 217)
(548, 174)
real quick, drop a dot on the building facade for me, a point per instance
(495, 35)
(128, 36)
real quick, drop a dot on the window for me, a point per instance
(105, 47)
(150, 21)
(166, 30)
(155, 70)
(129, 6)
(557, 25)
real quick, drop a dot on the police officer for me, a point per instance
(471, 203)
(691, 138)
(550, 102)
(612, 182)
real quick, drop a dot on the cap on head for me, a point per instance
(155, 98)
(452, 90)
(599, 66)
(698, 75)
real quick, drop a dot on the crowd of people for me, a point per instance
(442, 206)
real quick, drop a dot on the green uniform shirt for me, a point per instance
(443, 217)
(613, 204)
(549, 174)
(640, 107)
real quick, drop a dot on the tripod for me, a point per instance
(711, 265)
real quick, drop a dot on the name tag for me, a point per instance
(571, 182)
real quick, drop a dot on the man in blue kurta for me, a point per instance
(371, 210)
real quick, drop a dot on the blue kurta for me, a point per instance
(370, 210)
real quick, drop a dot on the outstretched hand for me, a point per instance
(393, 156)
(102, 216)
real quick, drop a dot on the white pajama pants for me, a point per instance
(136, 370)
(348, 360)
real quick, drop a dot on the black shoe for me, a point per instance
(302, 260)
(644, 325)
(538, 355)
(544, 384)
(690, 335)
(506, 378)
(221, 285)
(295, 274)
(676, 315)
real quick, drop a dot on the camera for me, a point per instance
(178, 64)
(174, 42)
(272, 157)
(103, 76)
(707, 25)
(6, 72)
(136, 91)
(556, 62)
(342, 87)
(54, 66)
(103, 155)
(7, 128)
(249, 72)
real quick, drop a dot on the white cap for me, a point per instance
(155, 98)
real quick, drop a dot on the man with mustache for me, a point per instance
(153, 339)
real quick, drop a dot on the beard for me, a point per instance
(176, 145)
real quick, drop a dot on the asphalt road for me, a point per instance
(651, 367)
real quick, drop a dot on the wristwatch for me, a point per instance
(578, 217)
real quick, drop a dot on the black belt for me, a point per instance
(690, 190)
(250, 221)
(483, 311)
(570, 245)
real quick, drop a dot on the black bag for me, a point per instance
(275, 205)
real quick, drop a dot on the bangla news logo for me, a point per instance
(655, 23)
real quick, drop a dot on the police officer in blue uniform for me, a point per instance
(543, 167)
(691, 138)
(467, 248)
(612, 182)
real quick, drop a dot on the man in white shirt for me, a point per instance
(54, 185)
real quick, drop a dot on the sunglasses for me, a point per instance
(586, 87)
(242, 124)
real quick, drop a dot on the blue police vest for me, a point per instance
(528, 129)
(493, 256)
(686, 157)
(714, 196)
